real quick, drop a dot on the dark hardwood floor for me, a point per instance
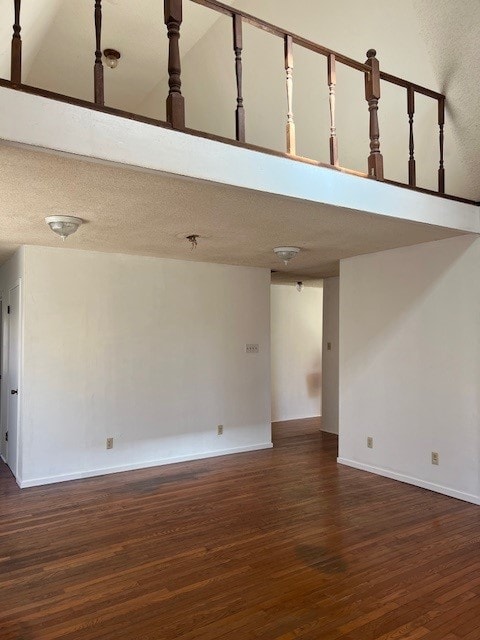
(299, 427)
(277, 544)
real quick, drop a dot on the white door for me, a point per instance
(12, 378)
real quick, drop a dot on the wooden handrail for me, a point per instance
(281, 33)
(373, 78)
(409, 85)
(220, 7)
(175, 107)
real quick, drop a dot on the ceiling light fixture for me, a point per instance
(193, 239)
(286, 253)
(299, 286)
(63, 226)
(112, 56)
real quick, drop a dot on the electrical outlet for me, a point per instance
(370, 442)
(109, 443)
(252, 348)
(435, 458)
(220, 430)
(329, 346)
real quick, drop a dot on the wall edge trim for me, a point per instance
(417, 482)
(79, 475)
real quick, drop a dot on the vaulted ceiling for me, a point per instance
(451, 31)
(431, 42)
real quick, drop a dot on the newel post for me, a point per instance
(16, 60)
(175, 100)
(372, 95)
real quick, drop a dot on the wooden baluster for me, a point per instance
(238, 47)
(98, 83)
(332, 81)
(16, 60)
(175, 100)
(441, 124)
(412, 174)
(372, 95)
(291, 144)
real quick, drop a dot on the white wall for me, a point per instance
(296, 344)
(330, 360)
(148, 351)
(410, 364)
(11, 274)
(345, 27)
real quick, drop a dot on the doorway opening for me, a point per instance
(304, 352)
(296, 351)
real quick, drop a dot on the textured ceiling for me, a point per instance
(147, 213)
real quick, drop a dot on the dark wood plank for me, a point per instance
(293, 428)
(270, 545)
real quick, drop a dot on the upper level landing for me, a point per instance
(126, 178)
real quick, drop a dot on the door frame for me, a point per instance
(3, 368)
(6, 375)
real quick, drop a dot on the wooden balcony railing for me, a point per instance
(175, 107)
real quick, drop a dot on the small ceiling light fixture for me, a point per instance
(299, 286)
(112, 56)
(63, 226)
(286, 253)
(193, 239)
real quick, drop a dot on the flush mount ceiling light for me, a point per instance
(299, 286)
(63, 226)
(286, 253)
(112, 56)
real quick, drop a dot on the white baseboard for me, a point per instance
(3, 458)
(36, 482)
(335, 433)
(423, 484)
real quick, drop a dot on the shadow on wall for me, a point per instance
(314, 379)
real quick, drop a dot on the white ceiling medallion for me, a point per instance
(286, 253)
(63, 226)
